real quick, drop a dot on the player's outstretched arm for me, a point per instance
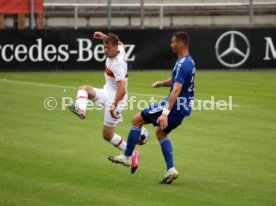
(99, 35)
(165, 83)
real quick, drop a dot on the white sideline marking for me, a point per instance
(36, 84)
(68, 87)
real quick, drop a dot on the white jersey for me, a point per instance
(116, 69)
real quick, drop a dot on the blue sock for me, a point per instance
(167, 151)
(133, 138)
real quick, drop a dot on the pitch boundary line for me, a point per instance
(69, 87)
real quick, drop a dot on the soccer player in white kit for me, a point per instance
(113, 96)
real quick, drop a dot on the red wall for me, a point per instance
(19, 6)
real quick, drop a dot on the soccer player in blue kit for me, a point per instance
(168, 114)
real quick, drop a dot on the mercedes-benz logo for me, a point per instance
(232, 55)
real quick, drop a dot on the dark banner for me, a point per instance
(146, 49)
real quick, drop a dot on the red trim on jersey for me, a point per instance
(117, 145)
(110, 73)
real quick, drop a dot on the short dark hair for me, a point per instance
(111, 38)
(182, 36)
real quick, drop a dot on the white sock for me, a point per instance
(82, 100)
(118, 142)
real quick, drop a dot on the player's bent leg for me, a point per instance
(167, 150)
(90, 91)
(83, 93)
(117, 141)
(110, 136)
(130, 156)
(108, 132)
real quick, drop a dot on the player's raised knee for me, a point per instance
(88, 89)
(84, 87)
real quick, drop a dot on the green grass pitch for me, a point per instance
(52, 158)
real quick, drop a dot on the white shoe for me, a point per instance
(170, 176)
(121, 159)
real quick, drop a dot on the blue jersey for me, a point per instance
(184, 73)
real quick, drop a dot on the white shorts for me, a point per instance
(105, 97)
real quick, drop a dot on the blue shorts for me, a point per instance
(151, 114)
